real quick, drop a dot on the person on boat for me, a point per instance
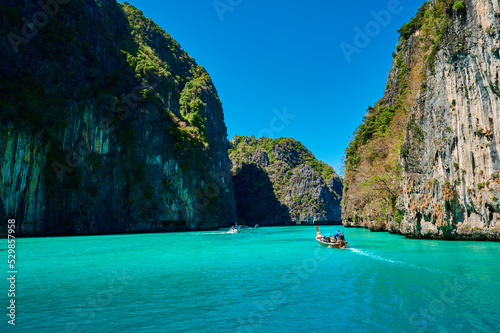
(337, 235)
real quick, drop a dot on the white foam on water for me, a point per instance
(397, 262)
(190, 234)
(374, 256)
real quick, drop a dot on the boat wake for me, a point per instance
(377, 257)
(413, 266)
(213, 233)
(396, 262)
(190, 234)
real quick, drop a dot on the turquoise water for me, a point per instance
(269, 280)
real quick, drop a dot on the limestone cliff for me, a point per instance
(106, 125)
(437, 174)
(279, 182)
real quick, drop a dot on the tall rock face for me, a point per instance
(279, 182)
(439, 176)
(106, 124)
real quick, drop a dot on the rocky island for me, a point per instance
(425, 160)
(280, 182)
(107, 125)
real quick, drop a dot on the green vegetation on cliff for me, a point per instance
(125, 129)
(288, 183)
(292, 152)
(372, 170)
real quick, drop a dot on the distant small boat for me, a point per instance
(236, 229)
(330, 241)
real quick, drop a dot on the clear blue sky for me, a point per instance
(266, 55)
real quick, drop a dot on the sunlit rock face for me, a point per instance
(279, 182)
(439, 174)
(451, 178)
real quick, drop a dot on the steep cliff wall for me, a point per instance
(280, 182)
(107, 124)
(444, 171)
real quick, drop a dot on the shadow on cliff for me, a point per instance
(84, 199)
(90, 128)
(256, 202)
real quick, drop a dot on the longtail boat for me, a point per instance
(236, 229)
(330, 241)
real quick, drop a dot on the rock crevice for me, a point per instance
(107, 126)
(443, 89)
